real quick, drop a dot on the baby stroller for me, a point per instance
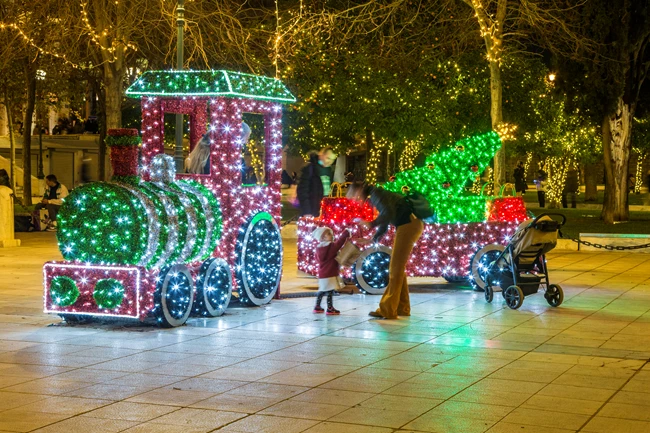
(519, 269)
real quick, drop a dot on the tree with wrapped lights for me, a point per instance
(608, 85)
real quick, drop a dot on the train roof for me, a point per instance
(211, 83)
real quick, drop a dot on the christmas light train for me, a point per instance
(155, 244)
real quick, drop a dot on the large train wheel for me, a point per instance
(174, 295)
(213, 288)
(371, 270)
(480, 263)
(259, 260)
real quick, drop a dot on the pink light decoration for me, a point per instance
(137, 301)
(238, 203)
(443, 249)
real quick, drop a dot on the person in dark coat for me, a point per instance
(571, 187)
(520, 178)
(286, 179)
(397, 210)
(315, 181)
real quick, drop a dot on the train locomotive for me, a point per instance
(154, 244)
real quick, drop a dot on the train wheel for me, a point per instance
(371, 270)
(259, 260)
(174, 295)
(213, 288)
(480, 263)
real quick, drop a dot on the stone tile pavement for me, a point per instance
(456, 365)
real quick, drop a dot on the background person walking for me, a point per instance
(315, 181)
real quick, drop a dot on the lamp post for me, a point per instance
(180, 24)
(40, 75)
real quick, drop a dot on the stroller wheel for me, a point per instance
(489, 294)
(514, 297)
(554, 295)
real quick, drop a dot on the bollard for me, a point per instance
(7, 219)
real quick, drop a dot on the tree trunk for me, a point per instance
(12, 142)
(369, 147)
(617, 129)
(496, 114)
(30, 75)
(111, 113)
(591, 182)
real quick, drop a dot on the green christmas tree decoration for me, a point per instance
(442, 180)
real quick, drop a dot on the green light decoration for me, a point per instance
(63, 291)
(109, 293)
(442, 180)
(163, 221)
(180, 227)
(144, 224)
(102, 223)
(212, 83)
(122, 140)
(211, 202)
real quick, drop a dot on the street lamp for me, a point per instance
(551, 77)
(40, 76)
(180, 24)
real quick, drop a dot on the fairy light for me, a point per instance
(557, 169)
(529, 160)
(443, 178)
(443, 250)
(116, 43)
(161, 228)
(638, 178)
(506, 131)
(27, 39)
(372, 168)
(409, 153)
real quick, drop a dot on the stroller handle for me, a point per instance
(551, 215)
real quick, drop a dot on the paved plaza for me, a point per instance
(457, 365)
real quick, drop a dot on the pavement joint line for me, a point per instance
(612, 396)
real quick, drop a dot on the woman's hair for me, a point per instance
(200, 155)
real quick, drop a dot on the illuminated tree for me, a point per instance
(640, 146)
(608, 86)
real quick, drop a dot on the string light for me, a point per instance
(443, 179)
(31, 42)
(97, 38)
(409, 153)
(372, 167)
(443, 249)
(529, 159)
(210, 84)
(152, 236)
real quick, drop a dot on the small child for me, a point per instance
(328, 267)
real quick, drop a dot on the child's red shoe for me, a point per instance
(318, 310)
(331, 311)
